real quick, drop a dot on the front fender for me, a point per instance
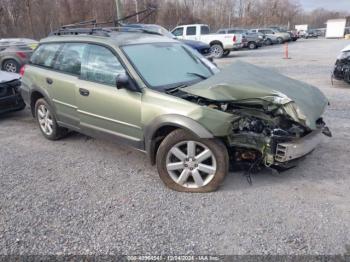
(171, 120)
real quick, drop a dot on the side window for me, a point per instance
(204, 30)
(101, 66)
(69, 59)
(191, 30)
(232, 31)
(178, 31)
(45, 55)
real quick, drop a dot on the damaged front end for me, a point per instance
(265, 118)
(271, 133)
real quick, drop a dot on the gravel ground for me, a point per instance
(85, 196)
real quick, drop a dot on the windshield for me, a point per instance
(167, 65)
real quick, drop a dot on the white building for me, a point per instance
(335, 28)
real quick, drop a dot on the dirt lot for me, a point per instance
(85, 196)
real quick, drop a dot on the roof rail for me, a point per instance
(98, 31)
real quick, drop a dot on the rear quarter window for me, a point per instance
(45, 55)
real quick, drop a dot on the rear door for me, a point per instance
(103, 109)
(191, 33)
(63, 81)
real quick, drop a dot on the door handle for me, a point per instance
(84, 92)
(49, 81)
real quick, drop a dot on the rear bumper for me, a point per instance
(296, 149)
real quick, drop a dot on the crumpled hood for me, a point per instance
(243, 81)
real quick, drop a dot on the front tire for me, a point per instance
(47, 121)
(217, 50)
(252, 45)
(187, 163)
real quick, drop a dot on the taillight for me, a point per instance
(22, 54)
(234, 38)
(22, 70)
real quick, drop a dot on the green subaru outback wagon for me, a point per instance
(162, 97)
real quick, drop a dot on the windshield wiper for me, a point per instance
(173, 89)
(197, 74)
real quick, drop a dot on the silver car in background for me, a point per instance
(15, 52)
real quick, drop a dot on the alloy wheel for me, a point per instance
(10, 67)
(191, 164)
(45, 120)
(216, 51)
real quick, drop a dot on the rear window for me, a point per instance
(204, 30)
(45, 55)
(191, 30)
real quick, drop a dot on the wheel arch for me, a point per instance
(216, 42)
(160, 127)
(36, 94)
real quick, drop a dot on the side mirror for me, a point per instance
(124, 81)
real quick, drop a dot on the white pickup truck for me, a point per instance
(221, 45)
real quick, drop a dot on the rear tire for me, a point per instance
(47, 121)
(187, 163)
(217, 50)
(11, 66)
(226, 53)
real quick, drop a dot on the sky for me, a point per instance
(338, 5)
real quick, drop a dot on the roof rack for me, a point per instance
(98, 31)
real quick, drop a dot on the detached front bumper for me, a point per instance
(296, 149)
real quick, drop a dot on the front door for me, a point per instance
(105, 111)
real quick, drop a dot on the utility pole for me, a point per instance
(137, 10)
(119, 9)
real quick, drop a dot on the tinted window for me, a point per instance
(45, 55)
(178, 31)
(102, 66)
(191, 30)
(204, 30)
(69, 59)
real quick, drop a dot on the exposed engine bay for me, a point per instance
(257, 130)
